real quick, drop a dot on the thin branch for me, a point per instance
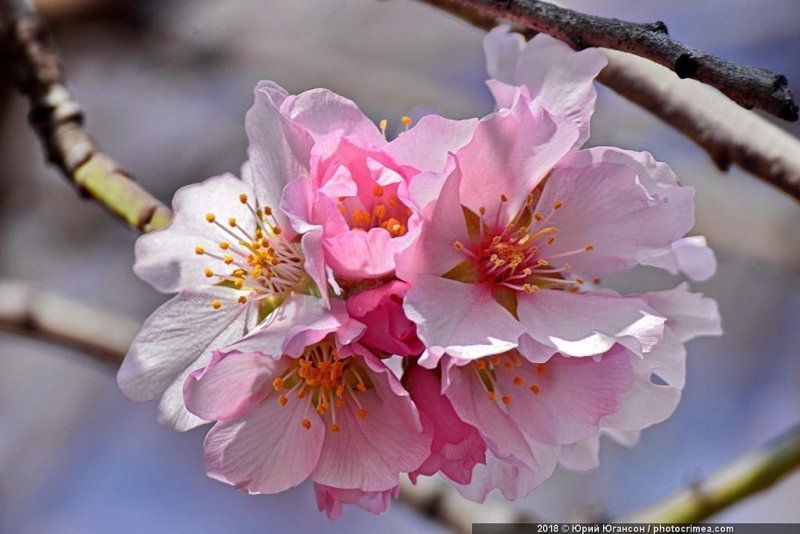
(58, 120)
(751, 474)
(728, 133)
(30, 311)
(748, 86)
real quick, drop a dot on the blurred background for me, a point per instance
(165, 86)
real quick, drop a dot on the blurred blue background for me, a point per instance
(165, 86)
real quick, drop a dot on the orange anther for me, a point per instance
(243, 198)
(282, 400)
(535, 389)
(506, 399)
(210, 217)
(540, 368)
(216, 304)
(362, 413)
(208, 272)
(335, 428)
(199, 251)
(377, 191)
(277, 384)
(306, 423)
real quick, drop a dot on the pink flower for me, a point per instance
(388, 329)
(301, 398)
(351, 202)
(232, 259)
(523, 224)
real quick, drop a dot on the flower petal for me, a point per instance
(426, 146)
(231, 387)
(587, 324)
(177, 335)
(510, 153)
(688, 314)
(331, 499)
(463, 320)
(502, 48)
(166, 259)
(370, 453)
(690, 255)
(268, 451)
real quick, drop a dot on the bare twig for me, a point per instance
(57, 118)
(30, 311)
(728, 133)
(747, 476)
(748, 86)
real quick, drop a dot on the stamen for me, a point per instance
(535, 389)
(210, 217)
(306, 424)
(216, 304)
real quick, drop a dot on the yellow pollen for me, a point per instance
(208, 272)
(335, 428)
(238, 272)
(362, 413)
(216, 304)
(199, 251)
(530, 288)
(228, 260)
(278, 384)
(377, 191)
(242, 300)
(210, 217)
(277, 230)
(383, 124)
(243, 198)
(517, 380)
(535, 389)
(558, 204)
(361, 216)
(380, 211)
(238, 283)
(406, 120)
(282, 400)
(224, 245)
(232, 222)
(506, 399)
(321, 409)
(580, 281)
(361, 386)
(306, 423)
(267, 211)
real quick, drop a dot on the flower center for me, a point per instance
(381, 209)
(263, 262)
(515, 255)
(487, 370)
(327, 382)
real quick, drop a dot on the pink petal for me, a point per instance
(388, 328)
(582, 455)
(502, 48)
(331, 499)
(356, 254)
(443, 225)
(279, 149)
(511, 151)
(689, 255)
(587, 324)
(605, 206)
(514, 481)
(268, 451)
(562, 78)
(166, 259)
(176, 339)
(501, 432)
(572, 395)
(463, 320)
(231, 387)
(688, 314)
(427, 145)
(456, 446)
(370, 453)
(321, 112)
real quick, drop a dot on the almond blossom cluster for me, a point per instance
(354, 308)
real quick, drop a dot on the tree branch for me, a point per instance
(728, 133)
(748, 86)
(751, 474)
(58, 120)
